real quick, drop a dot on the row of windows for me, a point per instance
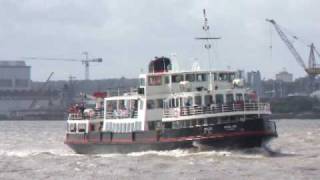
(208, 100)
(203, 122)
(176, 78)
(123, 127)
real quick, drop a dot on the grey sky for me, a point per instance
(127, 34)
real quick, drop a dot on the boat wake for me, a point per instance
(32, 153)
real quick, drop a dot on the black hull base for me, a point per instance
(225, 143)
(248, 134)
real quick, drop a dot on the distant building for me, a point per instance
(284, 76)
(240, 74)
(254, 81)
(14, 75)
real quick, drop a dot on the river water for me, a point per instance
(35, 150)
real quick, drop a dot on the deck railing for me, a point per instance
(216, 109)
(121, 114)
(98, 114)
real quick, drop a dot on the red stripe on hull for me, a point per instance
(178, 139)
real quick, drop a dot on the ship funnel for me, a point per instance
(160, 64)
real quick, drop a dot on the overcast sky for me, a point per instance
(127, 34)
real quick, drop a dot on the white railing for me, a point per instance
(83, 116)
(215, 109)
(121, 114)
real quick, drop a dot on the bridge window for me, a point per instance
(223, 77)
(154, 80)
(177, 78)
(201, 77)
(190, 77)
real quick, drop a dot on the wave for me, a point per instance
(186, 153)
(262, 152)
(30, 153)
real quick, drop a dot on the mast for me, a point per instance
(207, 38)
(207, 44)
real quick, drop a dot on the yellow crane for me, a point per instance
(313, 69)
(85, 61)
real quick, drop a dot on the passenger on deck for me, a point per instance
(82, 108)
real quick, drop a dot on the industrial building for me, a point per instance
(284, 76)
(254, 81)
(15, 75)
(17, 98)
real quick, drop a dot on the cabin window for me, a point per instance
(127, 129)
(197, 100)
(72, 127)
(177, 78)
(232, 77)
(166, 80)
(208, 100)
(142, 82)
(201, 77)
(141, 104)
(82, 127)
(174, 103)
(151, 104)
(229, 98)
(137, 125)
(168, 125)
(222, 77)
(177, 102)
(155, 80)
(215, 76)
(219, 98)
(189, 101)
(246, 98)
(190, 77)
(239, 97)
(159, 103)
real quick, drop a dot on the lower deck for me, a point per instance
(250, 132)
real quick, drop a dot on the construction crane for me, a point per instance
(313, 69)
(85, 61)
(35, 100)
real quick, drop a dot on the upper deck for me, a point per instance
(164, 80)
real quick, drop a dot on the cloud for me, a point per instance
(127, 34)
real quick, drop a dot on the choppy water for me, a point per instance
(35, 150)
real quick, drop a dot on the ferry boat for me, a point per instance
(172, 110)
